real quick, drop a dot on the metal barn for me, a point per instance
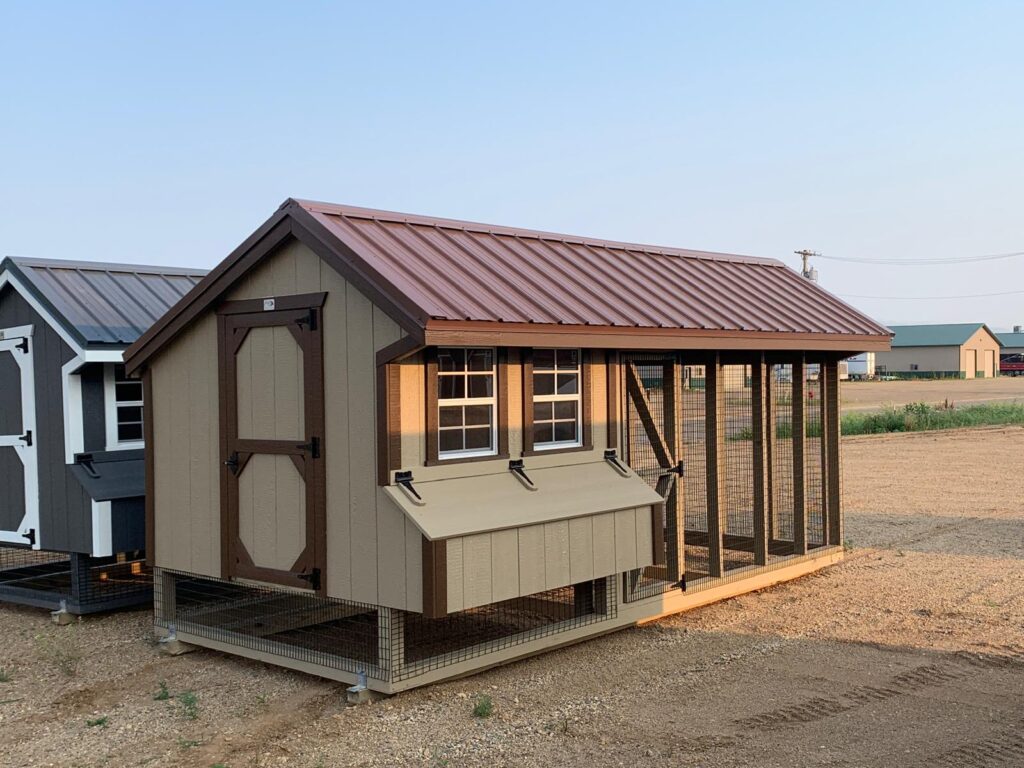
(414, 447)
(71, 467)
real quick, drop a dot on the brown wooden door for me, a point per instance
(272, 403)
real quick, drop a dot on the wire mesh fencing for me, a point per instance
(386, 644)
(82, 583)
(706, 560)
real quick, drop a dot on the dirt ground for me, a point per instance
(909, 653)
(869, 395)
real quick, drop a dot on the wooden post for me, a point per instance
(824, 374)
(758, 437)
(834, 488)
(799, 458)
(714, 447)
(675, 522)
(771, 431)
(391, 641)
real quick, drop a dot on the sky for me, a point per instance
(164, 133)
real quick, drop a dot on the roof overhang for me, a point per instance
(448, 332)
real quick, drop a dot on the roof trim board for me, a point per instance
(433, 280)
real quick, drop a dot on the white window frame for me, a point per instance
(555, 445)
(110, 412)
(463, 401)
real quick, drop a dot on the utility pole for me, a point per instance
(808, 271)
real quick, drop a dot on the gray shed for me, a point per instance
(71, 449)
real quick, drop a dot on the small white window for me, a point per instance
(556, 399)
(124, 409)
(466, 402)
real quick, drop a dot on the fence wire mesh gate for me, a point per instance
(739, 427)
(387, 644)
(81, 583)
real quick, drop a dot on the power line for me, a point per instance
(922, 262)
(930, 298)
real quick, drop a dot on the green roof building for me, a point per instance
(955, 350)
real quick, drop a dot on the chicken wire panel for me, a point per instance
(429, 644)
(81, 582)
(386, 644)
(694, 482)
(655, 372)
(737, 501)
(815, 477)
(780, 460)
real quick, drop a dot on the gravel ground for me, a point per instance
(910, 652)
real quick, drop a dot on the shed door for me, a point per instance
(19, 477)
(273, 421)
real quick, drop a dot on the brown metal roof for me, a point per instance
(452, 282)
(100, 303)
(461, 271)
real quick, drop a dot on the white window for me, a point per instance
(123, 409)
(466, 403)
(556, 398)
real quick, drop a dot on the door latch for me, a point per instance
(312, 447)
(313, 577)
(31, 536)
(232, 463)
(27, 438)
(22, 345)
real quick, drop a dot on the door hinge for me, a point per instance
(680, 468)
(313, 577)
(31, 536)
(231, 462)
(22, 345)
(312, 447)
(27, 437)
(308, 320)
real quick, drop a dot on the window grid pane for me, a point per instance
(556, 397)
(466, 401)
(128, 406)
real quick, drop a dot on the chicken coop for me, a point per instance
(413, 448)
(71, 437)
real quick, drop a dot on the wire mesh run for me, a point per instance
(80, 583)
(386, 644)
(737, 477)
(436, 643)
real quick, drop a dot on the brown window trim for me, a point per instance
(433, 459)
(586, 400)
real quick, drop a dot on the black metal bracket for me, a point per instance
(313, 577)
(232, 463)
(309, 320)
(613, 458)
(84, 460)
(312, 447)
(27, 437)
(680, 468)
(31, 536)
(404, 479)
(22, 345)
(516, 467)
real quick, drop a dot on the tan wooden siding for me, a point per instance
(373, 552)
(488, 567)
(413, 417)
(186, 452)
